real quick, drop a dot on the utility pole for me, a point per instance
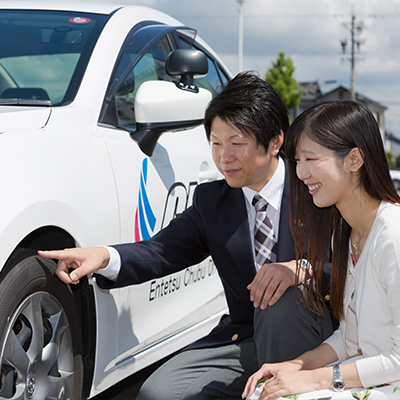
(355, 32)
(240, 37)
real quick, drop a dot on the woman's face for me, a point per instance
(323, 173)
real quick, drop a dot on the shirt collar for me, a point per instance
(272, 191)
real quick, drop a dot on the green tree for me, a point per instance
(398, 161)
(389, 157)
(280, 77)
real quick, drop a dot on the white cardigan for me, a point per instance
(377, 303)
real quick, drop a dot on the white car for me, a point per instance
(101, 142)
(395, 175)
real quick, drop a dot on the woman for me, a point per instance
(340, 183)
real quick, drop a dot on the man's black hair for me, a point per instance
(252, 106)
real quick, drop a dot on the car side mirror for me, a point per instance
(185, 63)
(161, 106)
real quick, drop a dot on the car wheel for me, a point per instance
(396, 183)
(40, 334)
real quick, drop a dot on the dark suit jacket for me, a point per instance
(217, 225)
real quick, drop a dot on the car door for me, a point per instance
(152, 190)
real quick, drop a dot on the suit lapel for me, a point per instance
(234, 229)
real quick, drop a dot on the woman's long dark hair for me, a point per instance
(340, 127)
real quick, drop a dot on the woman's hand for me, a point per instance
(269, 371)
(284, 383)
(302, 375)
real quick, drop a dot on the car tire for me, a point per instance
(41, 345)
(396, 183)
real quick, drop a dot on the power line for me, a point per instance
(387, 101)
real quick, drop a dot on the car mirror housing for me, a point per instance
(186, 64)
(161, 106)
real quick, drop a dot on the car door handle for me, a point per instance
(209, 174)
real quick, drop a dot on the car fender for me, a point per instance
(49, 196)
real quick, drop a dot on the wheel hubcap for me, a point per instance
(37, 353)
(31, 385)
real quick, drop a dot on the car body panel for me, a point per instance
(395, 175)
(21, 118)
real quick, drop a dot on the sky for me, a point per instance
(310, 32)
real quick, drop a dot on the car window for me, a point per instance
(212, 80)
(149, 68)
(215, 78)
(43, 54)
(131, 72)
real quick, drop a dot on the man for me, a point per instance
(244, 125)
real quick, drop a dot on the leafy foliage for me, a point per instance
(280, 77)
(389, 158)
(362, 395)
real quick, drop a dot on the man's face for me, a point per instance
(239, 159)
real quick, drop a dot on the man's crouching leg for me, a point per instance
(210, 373)
(287, 329)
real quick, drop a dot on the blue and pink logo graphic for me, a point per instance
(145, 220)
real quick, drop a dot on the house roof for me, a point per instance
(311, 91)
(342, 94)
(312, 94)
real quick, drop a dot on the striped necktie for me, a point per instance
(263, 233)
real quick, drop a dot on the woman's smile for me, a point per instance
(314, 188)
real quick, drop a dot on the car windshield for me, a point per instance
(43, 54)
